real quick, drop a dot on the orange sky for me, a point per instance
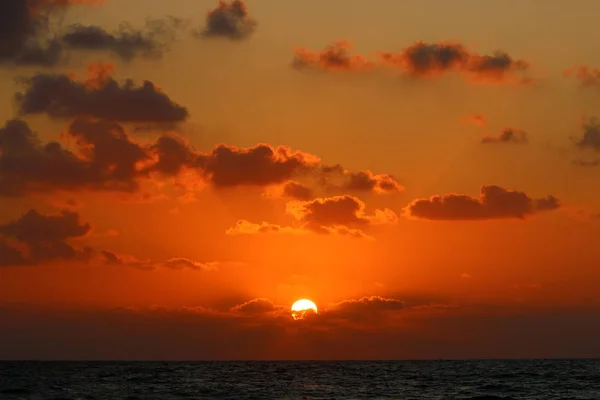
(424, 174)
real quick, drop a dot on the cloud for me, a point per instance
(256, 307)
(434, 59)
(243, 227)
(419, 60)
(591, 136)
(337, 211)
(229, 20)
(508, 135)
(494, 203)
(36, 238)
(105, 158)
(297, 191)
(176, 263)
(126, 42)
(587, 76)
(364, 308)
(474, 119)
(101, 96)
(261, 165)
(334, 57)
(339, 215)
(265, 165)
(366, 181)
(26, 36)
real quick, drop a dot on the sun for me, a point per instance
(302, 307)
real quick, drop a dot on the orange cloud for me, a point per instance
(494, 203)
(508, 135)
(475, 119)
(243, 227)
(587, 76)
(175, 263)
(334, 57)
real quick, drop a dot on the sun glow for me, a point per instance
(302, 307)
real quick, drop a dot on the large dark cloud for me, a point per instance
(494, 203)
(35, 238)
(230, 20)
(126, 42)
(107, 160)
(101, 96)
(368, 328)
(27, 34)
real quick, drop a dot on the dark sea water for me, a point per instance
(513, 379)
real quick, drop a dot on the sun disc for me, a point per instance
(303, 307)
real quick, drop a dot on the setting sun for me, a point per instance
(301, 307)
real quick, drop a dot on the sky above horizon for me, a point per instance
(174, 175)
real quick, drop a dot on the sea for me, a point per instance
(440, 379)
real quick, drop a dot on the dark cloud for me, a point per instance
(230, 20)
(337, 56)
(419, 60)
(364, 308)
(101, 96)
(126, 42)
(427, 59)
(28, 30)
(508, 135)
(335, 211)
(255, 307)
(107, 159)
(371, 328)
(297, 191)
(260, 165)
(339, 215)
(432, 59)
(591, 136)
(494, 203)
(40, 238)
(366, 181)
(173, 155)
